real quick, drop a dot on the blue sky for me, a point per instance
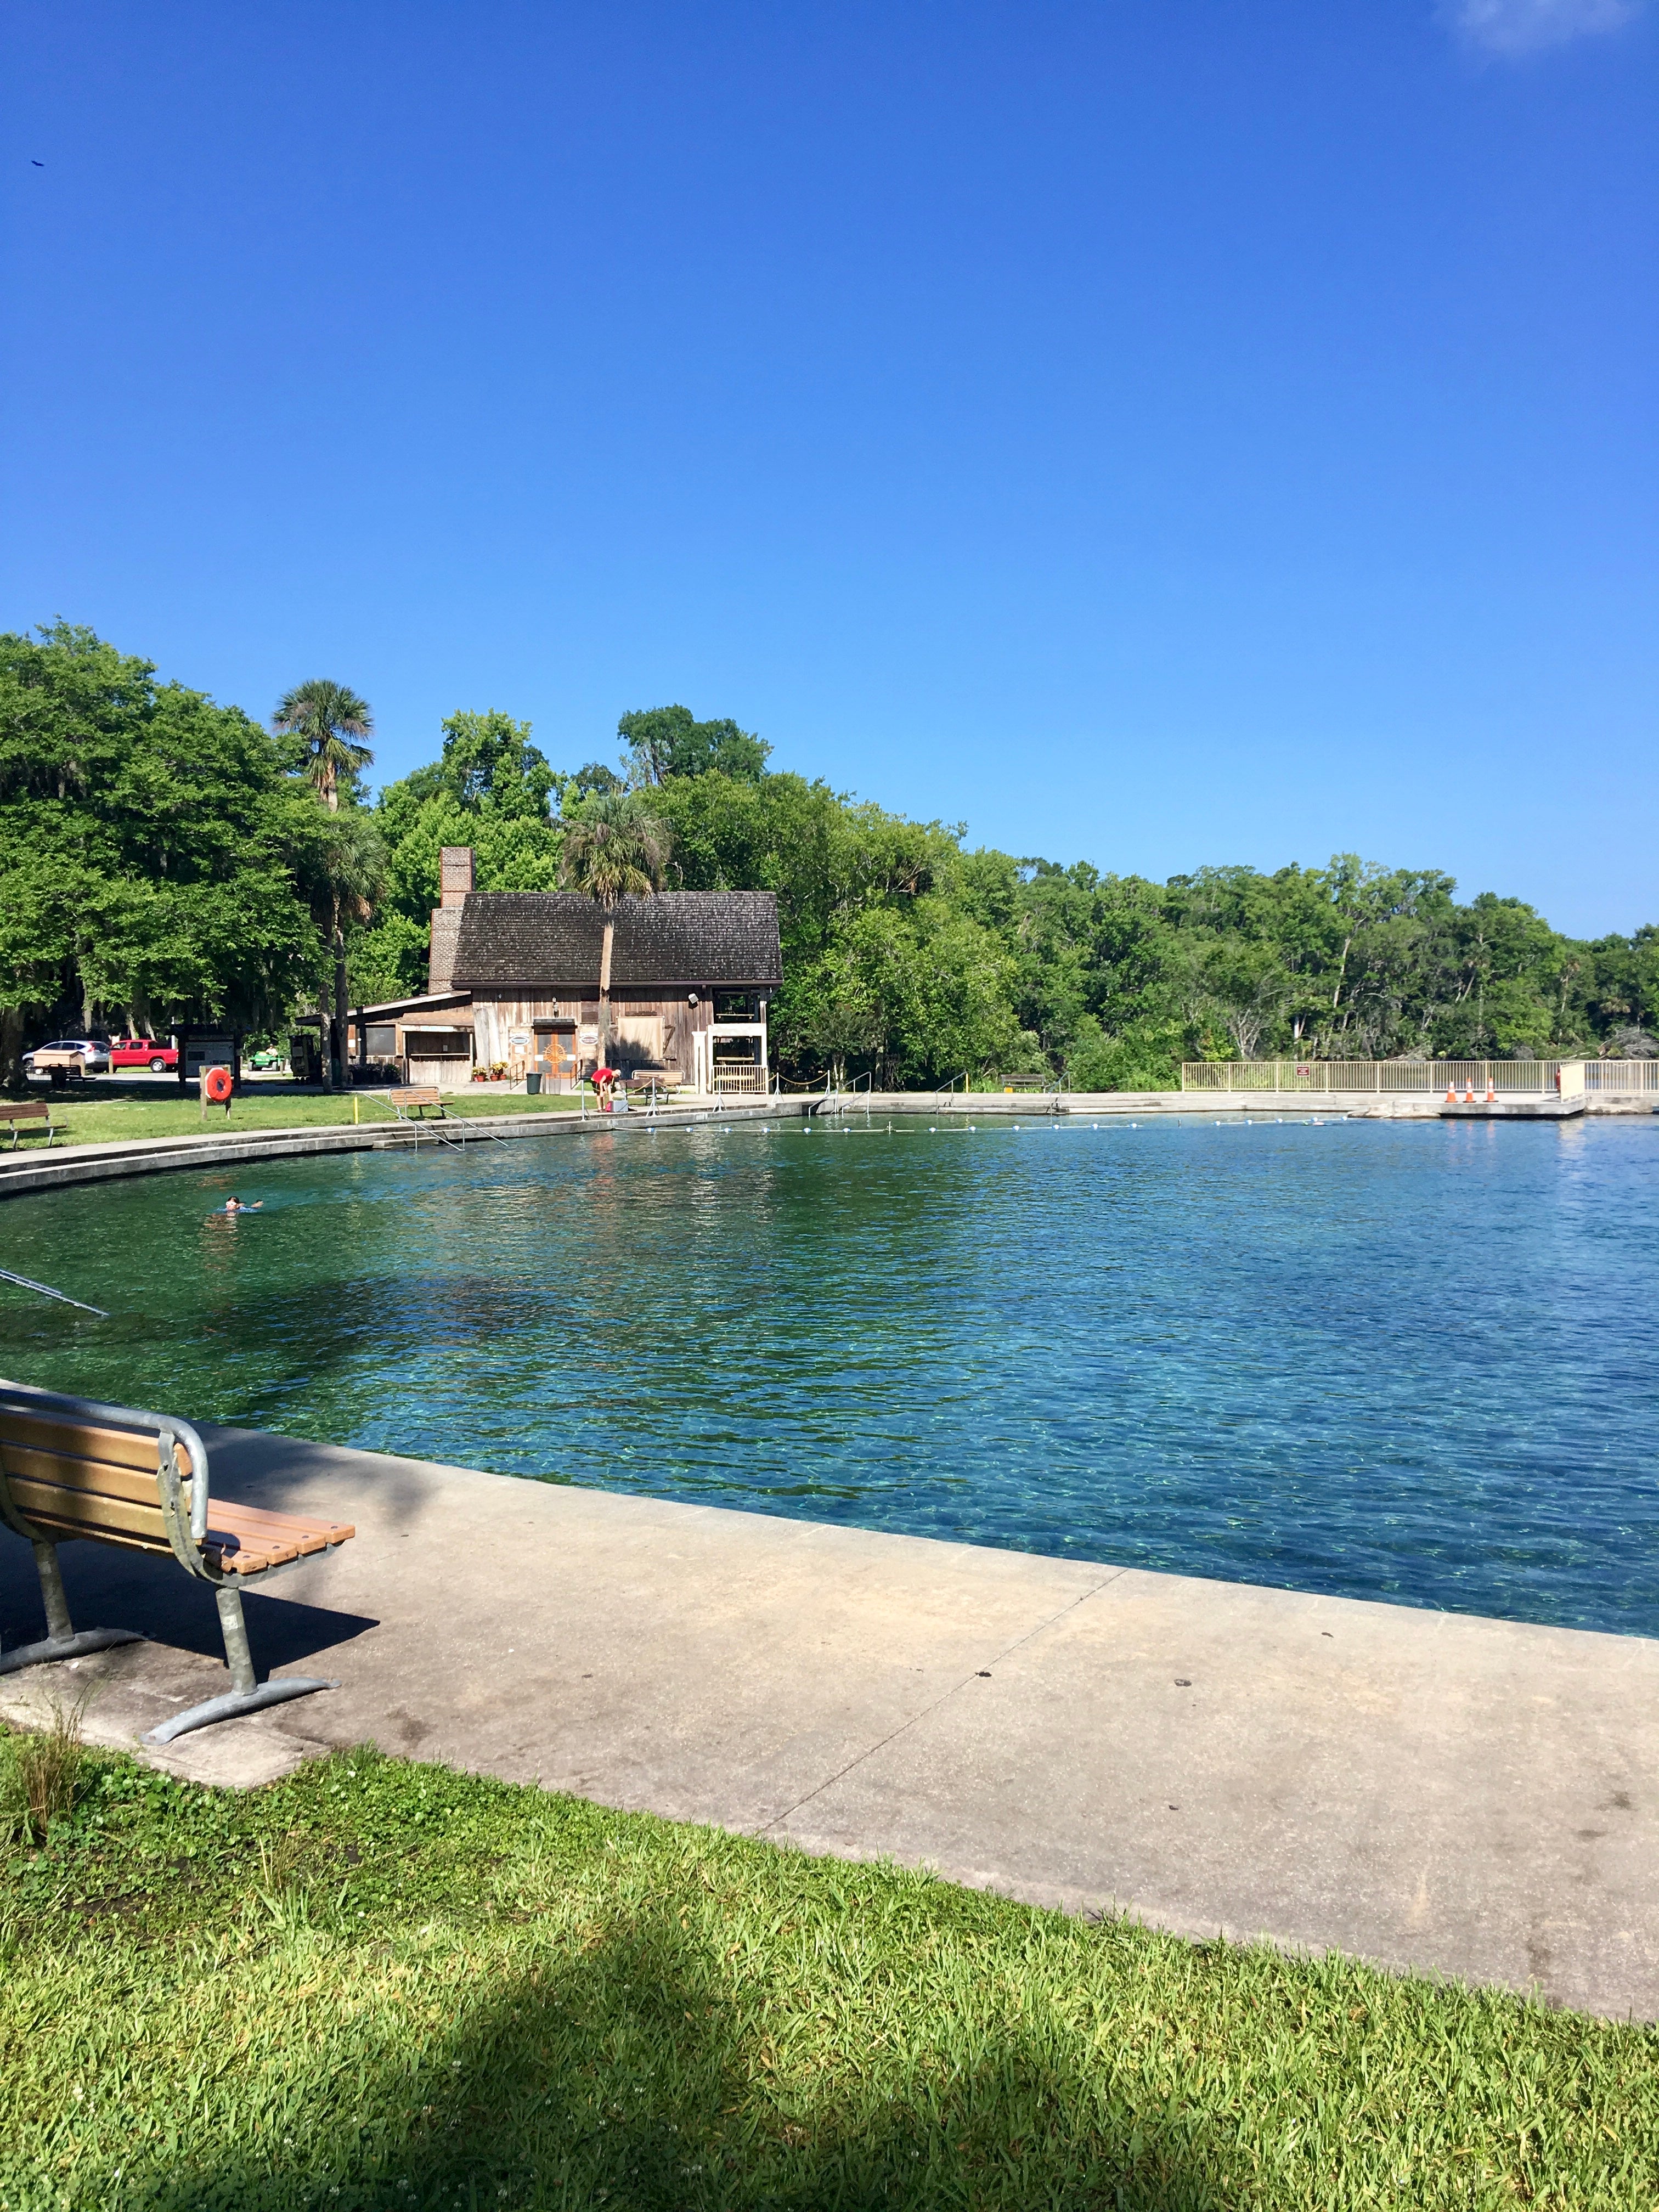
(1155, 432)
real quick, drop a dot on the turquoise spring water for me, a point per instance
(1414, 1362)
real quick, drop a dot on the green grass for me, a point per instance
(383, 1984)
(109, 1118)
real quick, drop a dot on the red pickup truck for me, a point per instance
(143, 1051)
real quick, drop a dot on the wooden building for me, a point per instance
(514, 983)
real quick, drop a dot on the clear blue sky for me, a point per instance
(1153, 431)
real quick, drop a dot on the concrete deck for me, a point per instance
(1469, 1796)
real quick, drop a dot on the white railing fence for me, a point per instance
(1607, 1077)
(740, 1076)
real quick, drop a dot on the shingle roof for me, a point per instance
(553, 938)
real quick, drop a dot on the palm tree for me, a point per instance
(356, 864)
(341, 863)
(612, 848)
(332, 722)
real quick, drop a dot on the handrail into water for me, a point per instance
(26, 1283)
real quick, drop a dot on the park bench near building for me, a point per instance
(71, 1468)
(410, 1101)
(17, 1111)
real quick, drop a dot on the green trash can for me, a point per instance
(533, 1085)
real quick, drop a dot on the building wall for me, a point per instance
(649, 1029)
(652, 1031)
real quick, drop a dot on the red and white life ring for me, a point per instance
(217, 1084)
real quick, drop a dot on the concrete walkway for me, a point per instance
(1458, 1795)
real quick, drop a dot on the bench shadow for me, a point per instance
(109, 1588)
(630, 2075)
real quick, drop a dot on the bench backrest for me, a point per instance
(70, 1466)
(27, 1109)
(415, 1097)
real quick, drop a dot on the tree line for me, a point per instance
(165, 859)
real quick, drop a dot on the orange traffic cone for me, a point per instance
(1469, 1099)
(1451, 1093)
(1491, 1094)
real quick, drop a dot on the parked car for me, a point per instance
(67, 1060)
(143, 1052)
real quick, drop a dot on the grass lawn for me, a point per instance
(385, 1984)
(105, 1117)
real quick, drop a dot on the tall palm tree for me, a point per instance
(612, 848)
(332, 722)
(354, 862)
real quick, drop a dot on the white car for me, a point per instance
(68, 1059)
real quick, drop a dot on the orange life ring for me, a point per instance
(218, 1085)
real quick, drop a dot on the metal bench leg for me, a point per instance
(246, 1694)
(60, 1641)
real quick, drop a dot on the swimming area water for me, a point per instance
(1405, 1361)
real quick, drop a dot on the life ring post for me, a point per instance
(217, 1086)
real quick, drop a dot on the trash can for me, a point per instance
(533, 1085)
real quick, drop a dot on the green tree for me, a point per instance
(492, 789)
(333, 725)
(150, 841)
(669, 741)
(613, 848)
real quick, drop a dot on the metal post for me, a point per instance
(234, 1629)
(60, 1626)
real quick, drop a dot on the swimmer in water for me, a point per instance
(241, 1206)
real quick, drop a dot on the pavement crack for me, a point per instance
(944, 1698)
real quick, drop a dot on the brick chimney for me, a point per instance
(454, 873)
(454, 882)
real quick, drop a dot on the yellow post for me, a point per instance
(354, 1109)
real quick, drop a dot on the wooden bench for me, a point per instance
(70, 1466)
(411, 1099)
(17, 1110)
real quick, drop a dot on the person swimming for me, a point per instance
(241, 1206)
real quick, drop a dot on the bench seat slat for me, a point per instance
(291, 1526)
(83, 1509)
(62, 1532)
(106, 1520)
(115, 1447)
(24, 1463)
(264, 1539)
(233, 1556)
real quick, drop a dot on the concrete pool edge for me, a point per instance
(68, 1165)
(1434, 1791)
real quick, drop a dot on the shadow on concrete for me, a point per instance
(628, 2076)
(108, 1588)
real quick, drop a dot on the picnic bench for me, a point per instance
(17, 1110)
(413, 1099)
(71, 1467)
